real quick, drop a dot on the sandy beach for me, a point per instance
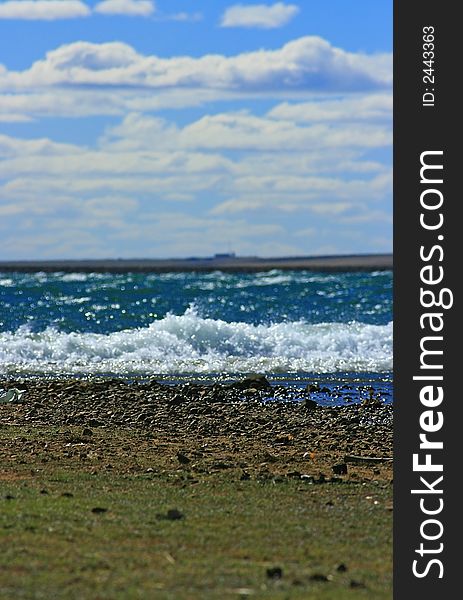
(233, 415)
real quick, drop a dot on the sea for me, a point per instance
(330, 329)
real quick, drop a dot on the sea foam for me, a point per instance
(190, 343)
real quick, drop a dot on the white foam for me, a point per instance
(192, 344)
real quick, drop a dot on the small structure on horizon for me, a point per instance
(225, 255)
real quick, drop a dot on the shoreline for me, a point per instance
(196, 411)
(127, 490)
(341, 263)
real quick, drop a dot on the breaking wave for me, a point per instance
(192, 344)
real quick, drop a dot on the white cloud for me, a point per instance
(244, 131)
(358, 108)
(262, 16)
(43, 10)
(183, 16)
(305, 65)
(138, 8)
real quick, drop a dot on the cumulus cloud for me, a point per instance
(152, 159)
(138, 8)
(118, 190)
(261, 16)
(308, 64)
(319, 150)
(43, 10)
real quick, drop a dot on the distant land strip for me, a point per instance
(230, 263)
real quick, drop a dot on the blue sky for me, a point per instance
(132, 128)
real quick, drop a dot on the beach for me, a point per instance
(80, 459)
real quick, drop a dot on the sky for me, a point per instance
(134, 128)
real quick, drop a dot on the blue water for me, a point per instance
(288, 324)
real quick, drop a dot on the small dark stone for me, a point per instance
(87, 431)
(275, 573)
(182, 458)
(336, 480)
(176, 400)
(309, 404)
(174, 515)
(44, 492)
(319, 577)
(67, 495)
(255, 380)
(340, 469)
(98, 510)
(341, 568)
(356, 584)
(9, 497)
(312, 387)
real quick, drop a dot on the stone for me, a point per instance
(340, 469)
(183, 459)
(309, 404)
(312, 387)
(255, 380)
(275, 573)
(319, 577)
(98, 510)
(174, 515)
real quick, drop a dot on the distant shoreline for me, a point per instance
(351, 262)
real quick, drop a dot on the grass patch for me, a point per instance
(227, 534)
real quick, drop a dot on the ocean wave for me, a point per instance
(190, 343)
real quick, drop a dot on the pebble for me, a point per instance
(275, 573)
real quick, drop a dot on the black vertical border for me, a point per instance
(419, 128)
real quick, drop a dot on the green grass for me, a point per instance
(54, 546)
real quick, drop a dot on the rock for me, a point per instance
(356, 584)
(319, 577)
(183, 459)
(98, 510)
(341, 568)
(256, 381)
(176, 400)
(87, 432)
(284, 439)
(340, 469)
(275, 573)
(312, 387)
(309, 404)
(174, 515)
